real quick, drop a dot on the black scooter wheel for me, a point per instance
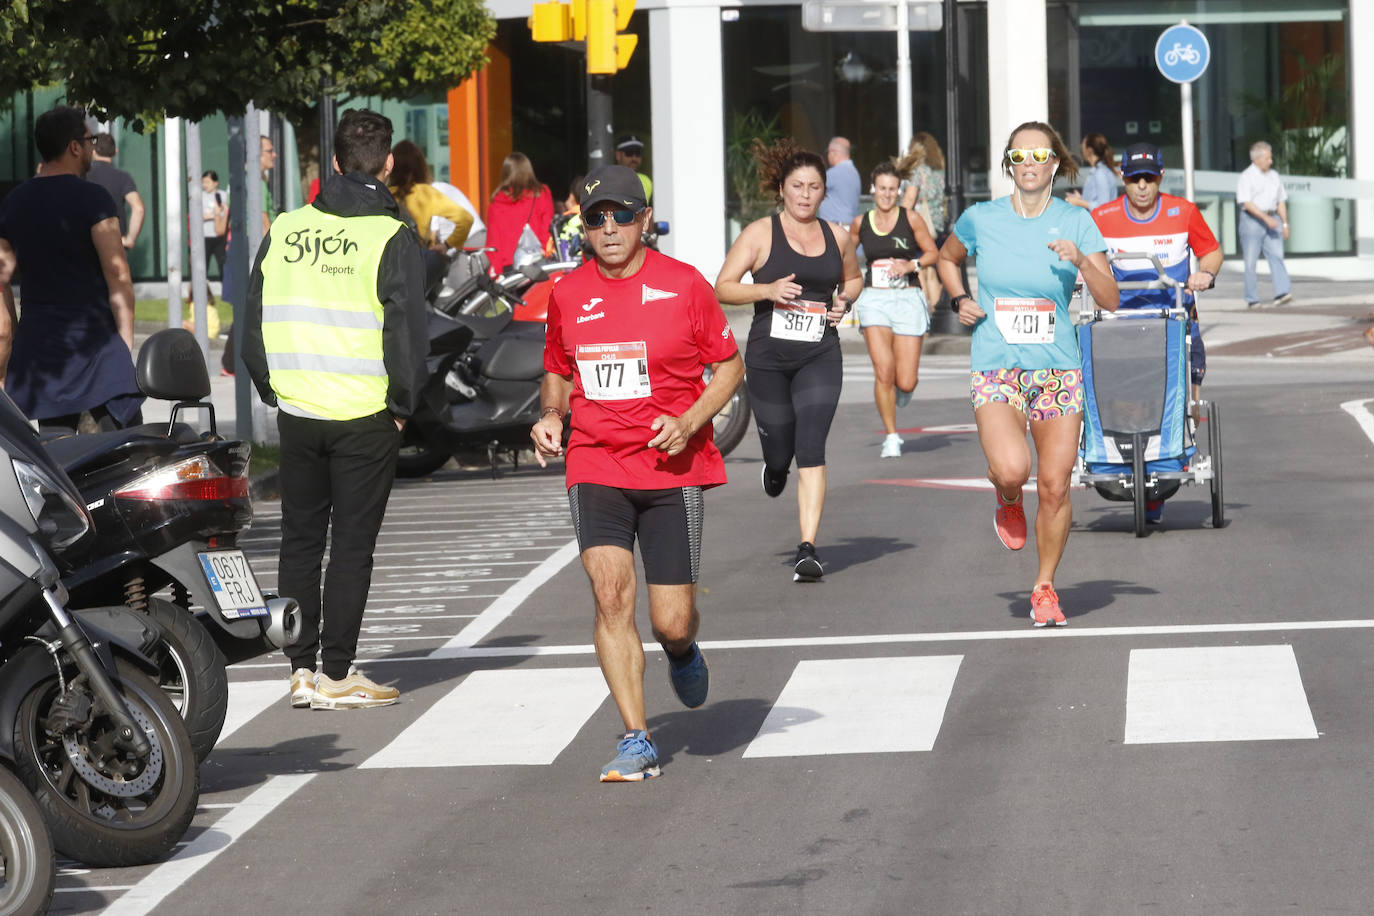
(28, 870)
(191, 672)
(418, 458)
(104, 808)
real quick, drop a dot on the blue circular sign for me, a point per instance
(1182, 53)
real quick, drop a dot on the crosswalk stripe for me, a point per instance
(499, 718)
(858, 706)
(1216, 693)
(247, 699)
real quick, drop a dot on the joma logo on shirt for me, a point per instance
(303, 244)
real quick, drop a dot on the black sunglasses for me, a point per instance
(87, 139)
(597, 219)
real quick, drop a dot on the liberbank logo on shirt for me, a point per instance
(312, 243)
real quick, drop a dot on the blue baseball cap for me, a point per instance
(1141, 159)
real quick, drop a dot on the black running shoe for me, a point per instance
(774, 482)
(807, 567)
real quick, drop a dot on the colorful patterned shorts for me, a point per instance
(1040, 394)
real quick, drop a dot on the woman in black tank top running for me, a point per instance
(805, 275)
(892, 310)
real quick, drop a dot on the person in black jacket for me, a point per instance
(335, 338)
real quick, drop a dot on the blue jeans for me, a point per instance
(1256, 237)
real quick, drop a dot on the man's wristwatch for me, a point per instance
(954, 303)
(1210, 274)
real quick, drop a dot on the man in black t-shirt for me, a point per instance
(73, 349)
(120, 184)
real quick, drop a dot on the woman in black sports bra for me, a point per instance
(892, 310)
(805, 275)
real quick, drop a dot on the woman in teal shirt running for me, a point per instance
(1026, 367)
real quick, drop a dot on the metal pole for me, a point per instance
(328, 117)
(194, 207)
(237, 269)
(252, 140)
(1185, 94)
(903, 78)
(171, 143)
(954, 166)
(599, 123)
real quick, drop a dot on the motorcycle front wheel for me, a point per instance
(191, 672)
(106, 807)
(28, 870)
(731, 424)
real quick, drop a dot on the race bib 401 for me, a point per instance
(1025, 321)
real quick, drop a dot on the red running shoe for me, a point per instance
(1010, 522)
(1045, 606)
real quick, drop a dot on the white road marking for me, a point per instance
(248, 698)
(499, 718)
(505, 605)
(858, 706)
(1216, 693)
(200, 852)
(1360, 412)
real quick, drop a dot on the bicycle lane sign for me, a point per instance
(1182, 53)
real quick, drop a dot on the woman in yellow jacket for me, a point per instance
(410, 186)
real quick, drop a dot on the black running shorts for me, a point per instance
(666, 522)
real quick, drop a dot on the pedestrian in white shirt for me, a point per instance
(1263, 224)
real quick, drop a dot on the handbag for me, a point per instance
(528, 248)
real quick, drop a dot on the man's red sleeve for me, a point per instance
(1200, 237)
(715, 340)
(555, 356)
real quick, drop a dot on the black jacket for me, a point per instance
(400, 289)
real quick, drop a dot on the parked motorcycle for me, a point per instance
(84, 726)
(28, 869)
(168, 504)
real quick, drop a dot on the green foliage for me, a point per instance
(1306, 124)
(138, 59)
(746, 127)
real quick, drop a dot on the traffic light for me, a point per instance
(551, 22)
(607, 50)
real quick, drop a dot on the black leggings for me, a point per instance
(793, 409)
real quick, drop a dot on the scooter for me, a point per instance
(168, 504)
(82, 723)
(28, 868)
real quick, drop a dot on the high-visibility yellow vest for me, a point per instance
(321, 318)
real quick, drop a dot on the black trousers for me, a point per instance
(343, 469)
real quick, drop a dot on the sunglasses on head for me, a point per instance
(598, 218)
(1040, 154)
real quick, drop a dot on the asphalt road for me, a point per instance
(894, 739)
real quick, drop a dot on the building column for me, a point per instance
(1361, 119)
(688, 139)
(1018, 77)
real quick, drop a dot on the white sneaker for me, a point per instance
(302, 687)
(892, 446)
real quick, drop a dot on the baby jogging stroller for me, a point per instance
(1139, 438)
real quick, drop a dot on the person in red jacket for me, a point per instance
(520, 200)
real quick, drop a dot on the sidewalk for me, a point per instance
(1325, 321)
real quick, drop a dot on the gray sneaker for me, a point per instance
(636, 759)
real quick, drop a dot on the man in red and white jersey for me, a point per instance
(1144, 221)
(629, 335)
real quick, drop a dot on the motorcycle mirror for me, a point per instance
(661, 227)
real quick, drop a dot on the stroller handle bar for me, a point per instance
(1162, 280)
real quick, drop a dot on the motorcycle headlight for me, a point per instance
(62, 521)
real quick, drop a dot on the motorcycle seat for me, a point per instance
(73, 452)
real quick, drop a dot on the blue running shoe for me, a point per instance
(690, 678)
(904, 397)
(636, 759)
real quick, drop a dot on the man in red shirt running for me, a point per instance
(629, 335)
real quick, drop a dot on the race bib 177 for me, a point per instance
(614, 371)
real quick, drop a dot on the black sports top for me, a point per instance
(819, 278)
(900, 242)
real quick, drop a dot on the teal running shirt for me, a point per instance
(1023, 286)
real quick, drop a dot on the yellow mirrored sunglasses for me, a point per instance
(1039, 154)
